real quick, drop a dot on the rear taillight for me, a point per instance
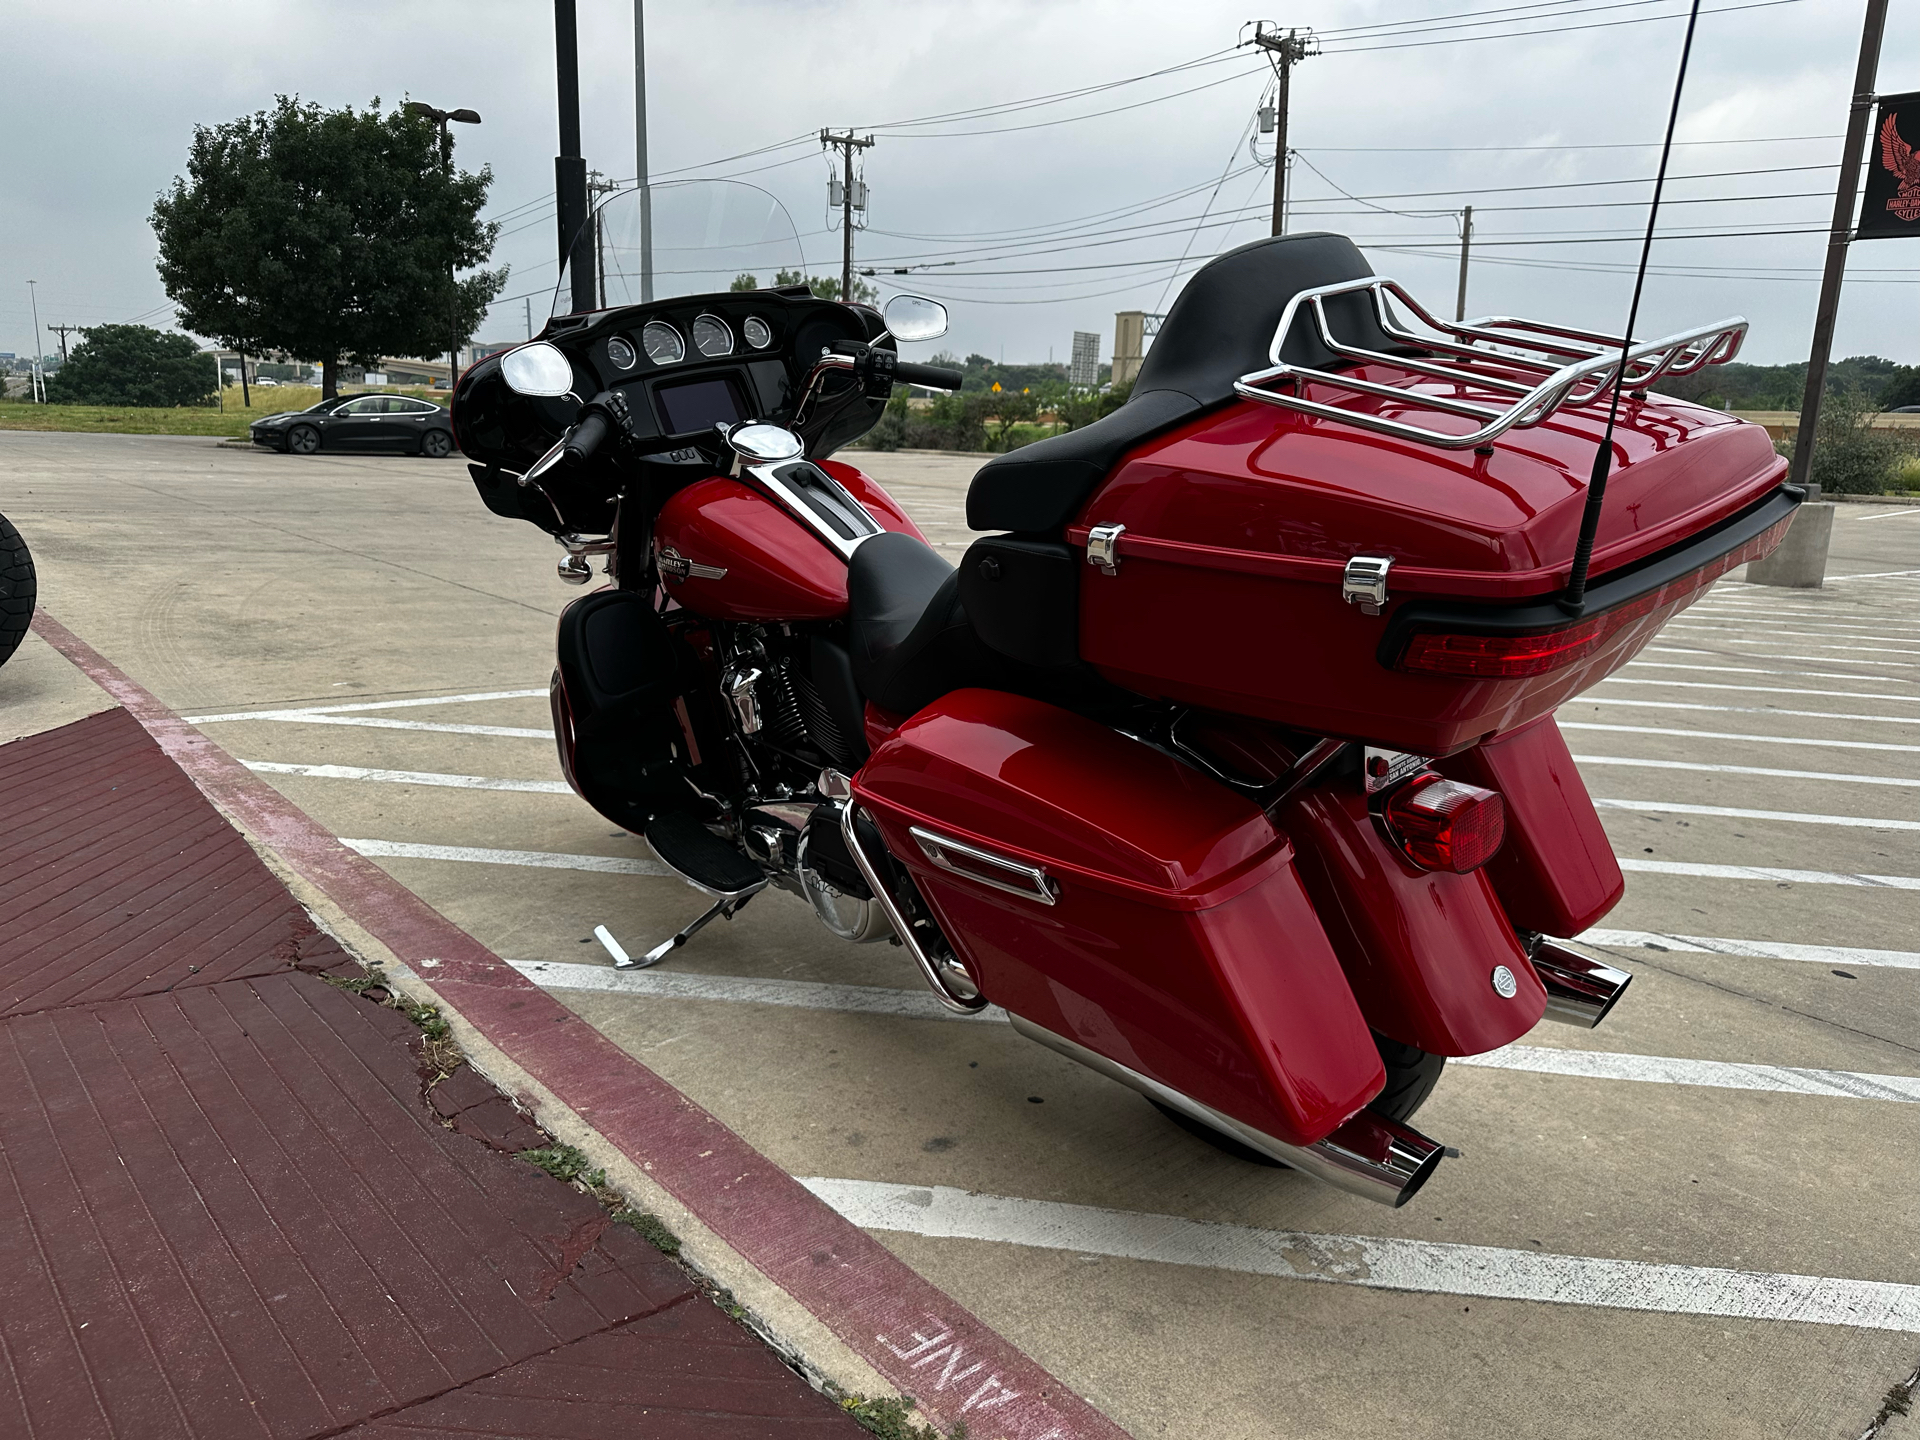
(1444, 825)
(1516, 655)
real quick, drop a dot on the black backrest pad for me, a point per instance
(1218, 330)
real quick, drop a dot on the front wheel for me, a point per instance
(436, 444)
(17, 589)
(303, 440)
(1411, 1075)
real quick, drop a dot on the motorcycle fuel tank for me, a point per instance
(729, 549)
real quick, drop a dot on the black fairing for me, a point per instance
(502, 429)
(1218, 330)
(620, 670)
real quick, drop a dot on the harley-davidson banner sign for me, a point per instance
(1892, 204)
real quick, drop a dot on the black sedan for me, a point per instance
(360, 423)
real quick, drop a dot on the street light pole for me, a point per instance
(39, 347)
(640, 147)
(569, 167)
(440, 118)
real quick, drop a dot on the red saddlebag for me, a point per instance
(1556, 873)
(1159, 922)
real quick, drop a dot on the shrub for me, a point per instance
(1850, 457)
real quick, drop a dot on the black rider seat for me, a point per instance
(908, 634)
(1219, 329)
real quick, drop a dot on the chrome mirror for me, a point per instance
(537, 369)
(914, 317)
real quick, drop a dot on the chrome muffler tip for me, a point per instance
(1374, 1157)
(1579, 991)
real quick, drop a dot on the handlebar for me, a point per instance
(586, 437)
(934, 377)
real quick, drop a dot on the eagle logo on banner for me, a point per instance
(1897, 156)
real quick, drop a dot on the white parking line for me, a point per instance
(1774, 636)
(800, 994)
(1830, 775)
(1888, 514)
(1768, 873)
(1713, 1074)
(1752, 670)
(1811, 659)
(1876, 575)
(413, 777)
(1764, 689)
(1802, 741)
(1751, 949)
(472, 699)
(543, 859)
(1747, 611)
(1432, 1267)
(305, 717)
(1593, 699)
(920, 1005)
(1795, 817)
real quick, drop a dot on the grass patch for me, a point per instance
(892, 1419)
(439, 1051)
(651, 1227)
(208, 420)
(564, 1162)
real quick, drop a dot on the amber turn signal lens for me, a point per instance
(1444, 825)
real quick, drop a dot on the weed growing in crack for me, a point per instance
(892, 1419)
(440, 1053)
(651, 1227)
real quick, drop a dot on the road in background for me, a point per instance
(1697, 1219)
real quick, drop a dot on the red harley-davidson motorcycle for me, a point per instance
(1225, 761)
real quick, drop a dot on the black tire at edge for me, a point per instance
(18, 588)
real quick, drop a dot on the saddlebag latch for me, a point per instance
(1365, 582)
(1103, 548)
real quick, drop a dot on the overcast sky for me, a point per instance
(103, 98)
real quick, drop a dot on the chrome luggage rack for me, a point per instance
(1576, 367)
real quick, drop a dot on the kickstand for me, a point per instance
(721, 910)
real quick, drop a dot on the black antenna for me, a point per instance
(1574, 601)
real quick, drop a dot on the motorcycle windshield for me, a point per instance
(700, 236)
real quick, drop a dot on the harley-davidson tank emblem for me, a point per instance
(676, 566)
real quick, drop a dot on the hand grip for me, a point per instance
(586, 437)
(934, 377)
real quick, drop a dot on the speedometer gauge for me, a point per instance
(759, 333)
(663, 342)
(711, 337)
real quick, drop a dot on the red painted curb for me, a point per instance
(921, 1339)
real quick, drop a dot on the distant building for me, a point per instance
(1084, 372)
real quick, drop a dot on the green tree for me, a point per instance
(330, 234)
(1850, 457)
(744, 281)
(827, 287)
(133, 365)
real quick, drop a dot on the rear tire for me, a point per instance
(436, 444)
(18, 587)
(303, 440)
(1411, 1075)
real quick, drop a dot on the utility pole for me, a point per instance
(63, 329)
(528, 302)
(1284, 51)
(640, 149)
(847, 144)
(1466, 245)
(39, 345)
(569, 169)
(598, 185)
(1844, 194)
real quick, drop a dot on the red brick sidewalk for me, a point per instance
(229, 1205)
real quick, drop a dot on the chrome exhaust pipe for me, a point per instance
(1579, 991)
(1370, 1156)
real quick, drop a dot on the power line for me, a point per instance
(1557, 29)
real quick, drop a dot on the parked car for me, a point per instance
(359, 423)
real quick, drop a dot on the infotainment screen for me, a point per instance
(699, 404)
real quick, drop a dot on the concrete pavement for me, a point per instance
(233, 582)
